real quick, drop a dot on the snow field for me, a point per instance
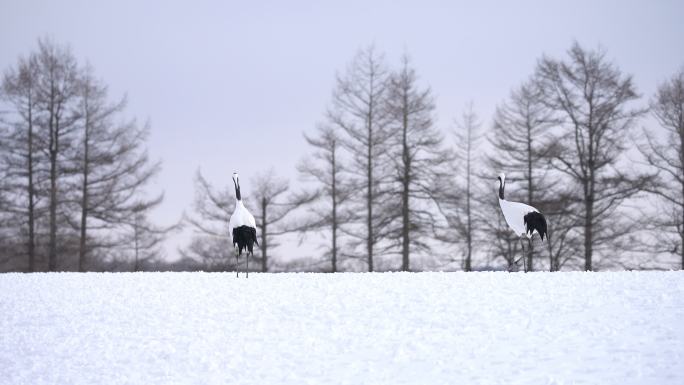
(379, 328)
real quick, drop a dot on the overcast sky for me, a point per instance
(231, 86)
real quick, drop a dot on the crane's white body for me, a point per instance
(241, 217)
(514, 213)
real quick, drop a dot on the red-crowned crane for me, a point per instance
(242, 228)
(523, 219)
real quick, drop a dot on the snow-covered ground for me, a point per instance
(391, 328)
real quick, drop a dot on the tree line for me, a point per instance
(385, 187)
(392, 192)
(74, 170)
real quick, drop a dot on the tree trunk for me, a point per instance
(369, 196)
(405, 266)
(53, 126)
(681, 167)
(264, 245)
(405, 193)
(681, 244)
(334, 211)
(469, 235)
(84, 199)
(588, 231)
(589, 220)
(84, 218)
(136, 236)
(588, 235)
(681, 229)
(31, 193)
(588, 224)
(530, 194)
(52, 252)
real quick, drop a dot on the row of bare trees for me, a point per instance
(382, 187)
(664, 153)
(74, 170)
(568, 135)
(392, 159)
(386, 191)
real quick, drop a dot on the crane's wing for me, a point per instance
(249, 219)
(514, 213)
(233, 223)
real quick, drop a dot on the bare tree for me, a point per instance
(324, 167)
(563, 241)
(666, 156)
(419, 162)
(61, 125)
(592, 98)
(145, 238)
(212, 241)
(358, 110)
(272, 202)
(113, 166)
(459, 205)
(21, 149)
(56, 94)
(6, 233)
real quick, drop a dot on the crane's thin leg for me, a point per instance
(248, 264)
(529, 249)
(522, 245)
(237, 265)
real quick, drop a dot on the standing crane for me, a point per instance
(242, 228)
(523, 219)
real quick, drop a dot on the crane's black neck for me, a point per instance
(501, 189)
(237, 190)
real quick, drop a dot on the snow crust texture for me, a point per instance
(390, 328)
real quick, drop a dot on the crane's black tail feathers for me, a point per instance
(535, 221)
(244, 237)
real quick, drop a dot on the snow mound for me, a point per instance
(389, 328)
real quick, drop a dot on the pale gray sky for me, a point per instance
(231, 85)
